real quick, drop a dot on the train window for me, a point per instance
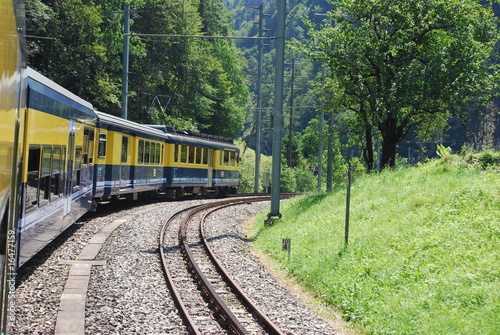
(85, 145)
(91, 147)
(152, 157)
(88, 145)
(140, 157)
(46, 158)
(191, 154)
(102, 145)
(157, 153)
(124, 149)
(226, 158)
(77, 168)
(232, 158)
(237, 159)
(78, 158)
(184, 154)
(198, 155)
(162, 150)
(45, 174)
(147, 150)
(205, 156)
(176, 152)
(56, 188)
(31, 196)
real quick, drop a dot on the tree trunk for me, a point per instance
(368, 149)
(388, 153)
(392, 134)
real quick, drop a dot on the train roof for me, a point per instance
(40, 78)
(204, 142)
(128, 125)
(166, 133)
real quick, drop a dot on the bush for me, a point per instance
(489, 158)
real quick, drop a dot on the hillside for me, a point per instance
(423, 254)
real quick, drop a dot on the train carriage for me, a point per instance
(196, 165)
(11, 122)
(58, 169)
(136, 160)
(129, 159)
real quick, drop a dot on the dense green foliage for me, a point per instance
(398, 66)
(423, 253)
(184, 82)
(300, 95)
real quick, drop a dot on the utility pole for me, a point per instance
(126, 48)
(329, 169)
(320, 150)
(258, 117)
(290, 128)
(278, 110)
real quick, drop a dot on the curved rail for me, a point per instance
(266, 323)
(219, 305)
(190, 325)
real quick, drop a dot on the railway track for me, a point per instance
(207, 298)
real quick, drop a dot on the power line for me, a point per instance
(202, 36)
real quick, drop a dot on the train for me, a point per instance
(60, 158)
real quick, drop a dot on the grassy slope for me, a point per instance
(423, 254)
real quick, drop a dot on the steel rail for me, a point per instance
(189, 322)
(220, 306)
(265, 322)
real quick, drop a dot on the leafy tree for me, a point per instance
(197, 79)
(70, 47)
(198, 83)
(400, 65)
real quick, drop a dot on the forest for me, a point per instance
(189, 83)
(356, 99)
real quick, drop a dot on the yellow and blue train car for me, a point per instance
(11, 123)
(58, 169)
(201, 165)
(135, 160)
(129, 160)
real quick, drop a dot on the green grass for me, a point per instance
(423, 254)
(247, 168)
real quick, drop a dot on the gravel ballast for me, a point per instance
(128, 294)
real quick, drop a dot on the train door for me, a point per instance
(210, 167)
(69, 168)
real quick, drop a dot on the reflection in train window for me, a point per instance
(56, 180)
(102, 145)
(184, 154)
(205, 156)
(88, 145)
(162, 150)
(140, 157)
(157, 153)
(198, 155)
(176, 152)
(232, 159)
(45, 175)
(77, 167)
(147, 149)
(124, 154)
(191, 154)
(31, 196)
